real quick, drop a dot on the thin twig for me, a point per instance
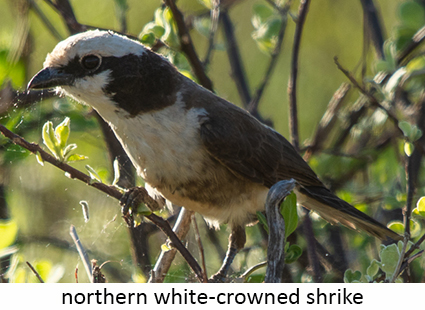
(45, 20)
(235, 60)
(83, 254)
(292, 83)
(35, 272)
(328, 120)
(201, 248)
(253, 105)
(64, 8)
(372, 20)
(215, 17)
(370, 96)
(187, 46)
(253, 269)
(165, 259)
(311, 247)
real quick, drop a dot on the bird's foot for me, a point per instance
(137, 199)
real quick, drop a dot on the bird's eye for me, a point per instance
(90, 62)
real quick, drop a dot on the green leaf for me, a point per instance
(76, 157)
(49, 138)
(373, 268)
(396, 226)
(154, 28)
(68, 149)
(405, 127)
(390, 53)
(62, 133)
(147, 38)
(288, 209)
(416, 64)
(412, 14)
(165, 247)
(389, 258)
(8, 232)
(410, 131)
(351, 276)
(266, 35)
(93, 174)
(262, 219)
(408, 148)
(142, 209)
(261, 13)
(420, 207)
(40, 159)
(43, 268)
(293, 253)
(170, 27)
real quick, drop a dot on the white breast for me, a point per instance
(164, 144)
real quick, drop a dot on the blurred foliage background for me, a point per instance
(366, 167)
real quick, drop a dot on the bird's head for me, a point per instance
(107, 70)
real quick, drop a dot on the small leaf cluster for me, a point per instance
(416, 221)
(162, 28)
(267, 24)
(378, 270)
(384, 269)
(56, 140)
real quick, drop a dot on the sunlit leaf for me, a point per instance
(389, 258)
(93, 174)
(420, 207)
(62, 132)
(351, 276)
(49, 138)
(408, 148)
(397, 226)
(261, 13)
(8, 232)
(288, 209)
(373, 268)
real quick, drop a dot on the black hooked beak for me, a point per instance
(49, 78)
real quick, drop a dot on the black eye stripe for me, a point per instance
(90, 62)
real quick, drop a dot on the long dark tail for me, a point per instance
(336, 210)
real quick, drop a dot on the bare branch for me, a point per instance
(292, 83)
(187, 46)
(253, 105)
(201, 248)
(276, 223)
(83, 254)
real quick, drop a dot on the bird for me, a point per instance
(191, 147)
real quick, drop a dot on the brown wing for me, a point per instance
(250, 149)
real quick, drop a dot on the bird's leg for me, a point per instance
(237, 241)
